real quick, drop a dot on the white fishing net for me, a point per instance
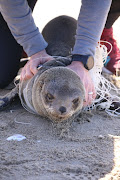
(108, 95)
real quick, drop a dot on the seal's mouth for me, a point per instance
(57, 115)
(59, 118)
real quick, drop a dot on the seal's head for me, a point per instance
(61, 93)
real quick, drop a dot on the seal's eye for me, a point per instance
(49, 97)
(75, 102)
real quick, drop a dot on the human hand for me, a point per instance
(84, 75)
(30, 69)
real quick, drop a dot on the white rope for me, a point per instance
(103, 87)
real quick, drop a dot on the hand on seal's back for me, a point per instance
(30, 69)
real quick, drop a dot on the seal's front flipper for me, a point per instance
(7, 99)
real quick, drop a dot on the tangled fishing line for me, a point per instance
(108, 98)
(108, 95)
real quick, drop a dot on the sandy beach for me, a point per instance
(90, 150)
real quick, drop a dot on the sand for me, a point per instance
(90, 150)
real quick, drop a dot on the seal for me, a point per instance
(60, 34)
(55, 92)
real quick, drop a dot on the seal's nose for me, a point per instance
(62, 109)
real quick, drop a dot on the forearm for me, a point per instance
(19, 18)
(91, 21)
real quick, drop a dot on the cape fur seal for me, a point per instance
(55, 92)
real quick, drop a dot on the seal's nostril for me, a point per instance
(62, 109)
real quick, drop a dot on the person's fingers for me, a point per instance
(85, 77)
(90, 98)
(33, 67)
(94, 94)
(90, 94)
(86, 98)
(28, 73)
(22, 74)
(30, 68)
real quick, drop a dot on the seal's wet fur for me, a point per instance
(60, 35)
